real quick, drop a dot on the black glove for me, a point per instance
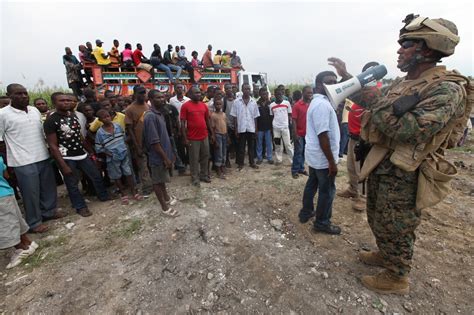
(404, 104)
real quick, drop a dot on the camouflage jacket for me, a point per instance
(437, 105)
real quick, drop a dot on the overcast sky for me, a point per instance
(289, 40)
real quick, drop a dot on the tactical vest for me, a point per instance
(435, 171)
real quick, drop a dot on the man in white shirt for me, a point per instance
(321, 152)
(281, 111)
(22, 130)
(178, 100)
(245, 113)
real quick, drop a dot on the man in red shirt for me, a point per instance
(140, 61)
(357, 105)
(207, 58)
(299, 130)
(195, 127)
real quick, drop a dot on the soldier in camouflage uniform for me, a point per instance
(407, 116)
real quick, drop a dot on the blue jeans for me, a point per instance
(327, 189)
(298, 158)
(88, 167)
(164, 68)
(220, 150)
(344, 139)
(37, 185)
(176, 68)
(267, 134)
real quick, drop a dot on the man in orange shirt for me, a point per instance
(207, 58)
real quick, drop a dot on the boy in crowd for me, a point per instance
(161, 157)
(63, 134)
(281, 111)
(110, 140)
(13, 227)
(41, 105)
(264, 126)
(219, 126)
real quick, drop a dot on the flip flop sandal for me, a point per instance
(124, 200)
(171, 213)
(138, 197)
(173, 200)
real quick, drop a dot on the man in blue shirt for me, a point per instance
(322, 147)
(159, 150)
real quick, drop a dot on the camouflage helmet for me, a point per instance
(438, 34)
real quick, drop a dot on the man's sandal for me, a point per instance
(138, 197)
(171, 212)
(173, 200)
(124, 200)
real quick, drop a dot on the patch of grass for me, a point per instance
(130, 228)
(47, 252)
(278, 173)
(465, 149)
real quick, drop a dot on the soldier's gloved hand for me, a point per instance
(404, 104)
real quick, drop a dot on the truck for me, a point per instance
(121, 81)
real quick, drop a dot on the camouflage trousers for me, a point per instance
(392, 214)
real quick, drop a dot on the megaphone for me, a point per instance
(338, 92)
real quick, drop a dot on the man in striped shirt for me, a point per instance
(22, 130)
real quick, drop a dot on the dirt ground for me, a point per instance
(238, 248)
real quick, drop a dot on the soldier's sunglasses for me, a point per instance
(408, 43)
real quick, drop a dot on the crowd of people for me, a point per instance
(174, 59)
(137, 143)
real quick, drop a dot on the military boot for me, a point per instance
(386, 283)
(372, 258)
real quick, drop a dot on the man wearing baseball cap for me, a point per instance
(100, 55)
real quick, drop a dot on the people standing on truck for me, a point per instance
(141, 62)
(207, 58)
(235, 61)
(134, 126)
(101, 57)
(217, 60)
(245, 113)
(69, 53)
(73, 74)
(168, 61)
(22, 130)
(195, 128)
